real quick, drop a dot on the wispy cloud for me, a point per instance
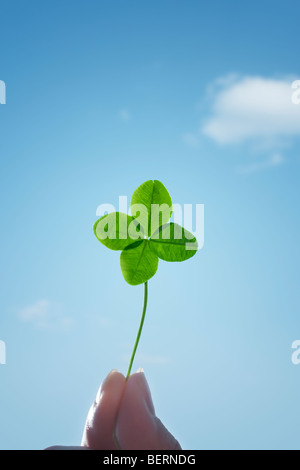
(124, 115)
(274, 161)
(252, 108)
(44, 314)
(191, 139)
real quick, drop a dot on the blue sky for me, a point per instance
(101, 96)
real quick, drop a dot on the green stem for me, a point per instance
(140, 329)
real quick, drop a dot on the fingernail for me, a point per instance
(145, 389)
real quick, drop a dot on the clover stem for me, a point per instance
(140, 329)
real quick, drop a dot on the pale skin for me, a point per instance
(123, 417)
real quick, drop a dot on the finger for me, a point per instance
(100, 423)
(67, 448)
(137, 426)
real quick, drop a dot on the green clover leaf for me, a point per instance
(153, 203)
(171, 242)
(116, 230)
(144, 237)
(138, 263)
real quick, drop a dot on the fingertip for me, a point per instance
(112, 382)
(100, 423)
(137, 427)
(137, 384)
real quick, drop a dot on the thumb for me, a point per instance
(137, 427)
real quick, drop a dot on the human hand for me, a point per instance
(123, 417)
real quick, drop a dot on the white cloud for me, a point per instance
(44, 314)
(252, 108)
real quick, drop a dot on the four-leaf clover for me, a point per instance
(146, 235)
